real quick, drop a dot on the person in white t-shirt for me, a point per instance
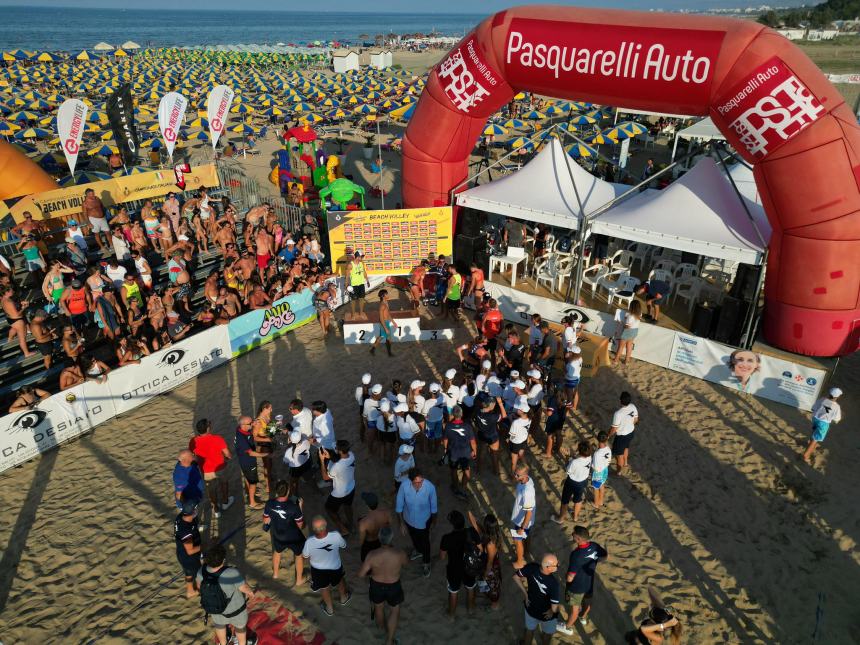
(386, 430)
(408, 428)
(825, 411)
(572, 375)
(523, 514)
(298, 457)
(534, 395)
(402, 465)
(518, 435)
(322, 551)
(414, 398)
(570, 338)
(628, 330)
(323, 433)
(450, 391)
(362, 393)
(435, 411)
(623, 426)
(370, 412)
(600, 468)
(303, 420)
(342, 475)
(578, 470)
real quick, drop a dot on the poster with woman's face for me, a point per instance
(743, 366)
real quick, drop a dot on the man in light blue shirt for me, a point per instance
(416, 508)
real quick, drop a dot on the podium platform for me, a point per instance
(412, 326)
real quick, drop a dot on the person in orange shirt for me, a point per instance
(491, 325)
(476, 285)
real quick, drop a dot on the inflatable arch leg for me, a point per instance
(20, 175)
(768, 99)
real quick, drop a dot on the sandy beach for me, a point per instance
(720, 516)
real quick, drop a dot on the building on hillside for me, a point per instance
(344, 60)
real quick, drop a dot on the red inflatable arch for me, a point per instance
(768, 99)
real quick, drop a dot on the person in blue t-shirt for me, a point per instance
(289, 253)
(580, 578)
(187, 479)
(460, 446)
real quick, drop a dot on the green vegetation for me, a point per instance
(817, 16)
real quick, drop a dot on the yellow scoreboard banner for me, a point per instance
(392, 241)
(116, 190)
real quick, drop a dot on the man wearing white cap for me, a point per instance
(535, 395)
(408, 427)
(362, 393)
(825, 411)
(370, 411)
(403, 464)
(386, 430)
(434, 413)
(298, 457)
(414, 398)
(518, 435)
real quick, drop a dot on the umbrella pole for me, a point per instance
(379, 148)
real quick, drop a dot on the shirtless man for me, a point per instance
(43, 336)
(254, 215)
(259, 299)
(170, 208)
(15, 315)
(229, 303)
(246, 266)
(383, 565)
(416, 283)
(476, 285)
(94, 212)
(370, 525)
(386, 323)
(210, 287)
(224, 236)
(265, 246)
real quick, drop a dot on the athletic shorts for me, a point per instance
(325, 578)
(263, 261)
(384, 333)
(488, 439)
(460, 464)
(357, 291)
(46, 349)
(249, 471)
(577, 598)
(333, 503)
(819, 430)
(299, 471)
(367, 546)
(571, 384)
(553, 428)
(387, 437)
(452, 304)
(295, 547)
(573, 491)
(599, 478)
(99, 224)
(239, 621)
(190, 563)
(517, 447)
(532, 623)
(621, 442)
(459, 578)
(433, 429)
(386, 592)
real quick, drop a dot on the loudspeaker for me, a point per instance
(470, 222)
(746, 280)
(703, 320)
(730, 323)
(466, 247)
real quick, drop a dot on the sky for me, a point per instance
(407, 6)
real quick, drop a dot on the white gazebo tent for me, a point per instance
(129, 44)
(103, 47)
(543, 191)
(703, 130)
(745, 182)
(699, 213)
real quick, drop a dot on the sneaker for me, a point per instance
(414, 555)
(325, 609)
(346, 600)
(229, 503)
(426, 570)
(563, 628)
(583, 621)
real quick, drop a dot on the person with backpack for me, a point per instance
(490, 580)
(224, 595)
(465, 561)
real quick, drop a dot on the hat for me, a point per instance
(376, 389)
(385, 405)
(533, 374)
(357, 252)
(435, 387)
(451, 373)
(518, 384)
(189, 507)
(514, 375)
(405, 449)
(401, 407)
(522, 407)
(290, 241)
(486, 365)
(366, 378)
(370, 499)
(172, 314)
(295, 436)
(416, 384)
(73, 222)
(835, 392)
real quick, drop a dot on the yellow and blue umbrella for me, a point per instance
(581, 119)
(34, 133)
(494, 130)
(534, 115)
(514, 123)
(83, 177)
(577, 150)
(104, 150)
(521, 143)
(404, 112)
(24, 115)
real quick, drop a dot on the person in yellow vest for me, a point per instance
(454, 293)
(358, 281)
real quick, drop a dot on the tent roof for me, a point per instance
(699, 213)
(130, 44)
(103, 46)
(704, 130)
(744, 180)
(543, 191)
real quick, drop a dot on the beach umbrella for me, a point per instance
(24, 115)
(241, 128)
(26, 148)
(600, 139)
(49, 162)
(514, 123)
(241, 108)
(103, 150)
(83, 177)
(34, 133)
(632, 128)
(534, 115)
(555, 110)
(404, 113)
(520, 143)
(581, 119)
(310, 118)
(103, 47)
(200, 135)
(7, 128)
(494, 130)
(617, 134)
(364, 108)
(520, 96)
(302, 106)
(47, 57)
(134, 170)
(199, 122)
(130, 44)
(578, 150)
(273, 111)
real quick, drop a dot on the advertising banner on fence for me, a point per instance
(67, 201)
(261, 326)
(59, 418)
(164, 370)
(392, 241)
(747, 371)
(71, 122)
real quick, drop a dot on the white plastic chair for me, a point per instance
(612, 281)
(686, 270)
(625, 292)
(664, 276)
(546, 270)
(566, 263)
(621, 260)
(689, 292)
(592, 275)
(639, 253)
(664, 265)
